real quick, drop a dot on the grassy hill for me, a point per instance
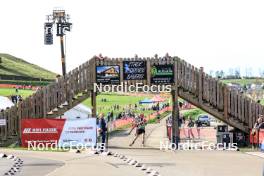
(12, 66)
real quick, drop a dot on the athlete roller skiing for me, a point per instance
(140, 124)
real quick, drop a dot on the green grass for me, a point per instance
(9, 92)
(194, 113)
(27, 83)
(15, 66)
(112, 99)
(105, 107)
(243, 81)
(163, 115)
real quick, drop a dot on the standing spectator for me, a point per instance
(111, 116)
(258, 125)
(102, 129)
(108, 117)
(190, 126)
(158, 116)
(198, 128)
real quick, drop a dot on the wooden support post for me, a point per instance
(175, 117)
(93, 102)
(225, 102)
(175, 111)
(200, 85)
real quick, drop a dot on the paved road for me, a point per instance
(167, 163)
(71, 164)
(186, 163)
(5, 165)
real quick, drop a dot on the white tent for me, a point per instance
(79, 111)
(5, 103)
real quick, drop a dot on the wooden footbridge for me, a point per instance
(187, 81)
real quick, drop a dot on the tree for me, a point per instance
(211, 72)
(219, 74)
(261, 73)
(237, 73)
(0, 60)
(248, 72)
(231, 72)
(222, 74)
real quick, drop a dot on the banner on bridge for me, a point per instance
(61, 132)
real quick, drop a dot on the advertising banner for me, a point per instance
(162, 74)
(135, 70)
(60, 132)
(108, 74)
(78, 132)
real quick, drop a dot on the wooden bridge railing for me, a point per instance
(194, 85)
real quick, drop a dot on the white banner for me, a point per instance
(2, 122)
(78, 133)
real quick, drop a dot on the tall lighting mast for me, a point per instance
(60, 20)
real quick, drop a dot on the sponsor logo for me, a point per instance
(40, 130)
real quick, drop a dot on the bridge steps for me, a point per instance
(193, 83)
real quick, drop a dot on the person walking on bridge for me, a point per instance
(140, 129)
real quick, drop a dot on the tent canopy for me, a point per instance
(145, 101)
(80, 111)
(5, 103)
(157, 98)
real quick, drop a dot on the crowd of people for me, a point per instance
(16, 98)
(128, 111)
(187, 126)
(24, 87)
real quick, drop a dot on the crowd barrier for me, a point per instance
(128, 121)
(13, 86)
(258, 138)
(205, 133)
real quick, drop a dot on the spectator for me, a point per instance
(102, 129)
(158, 116)
(258, 125)
(198, 128)
(190, 126)
(108, 117)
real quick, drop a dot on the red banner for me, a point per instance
(258, 137)
(41, 130)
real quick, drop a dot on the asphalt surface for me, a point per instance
(5, 165)
(38, 166)
(166, 163)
